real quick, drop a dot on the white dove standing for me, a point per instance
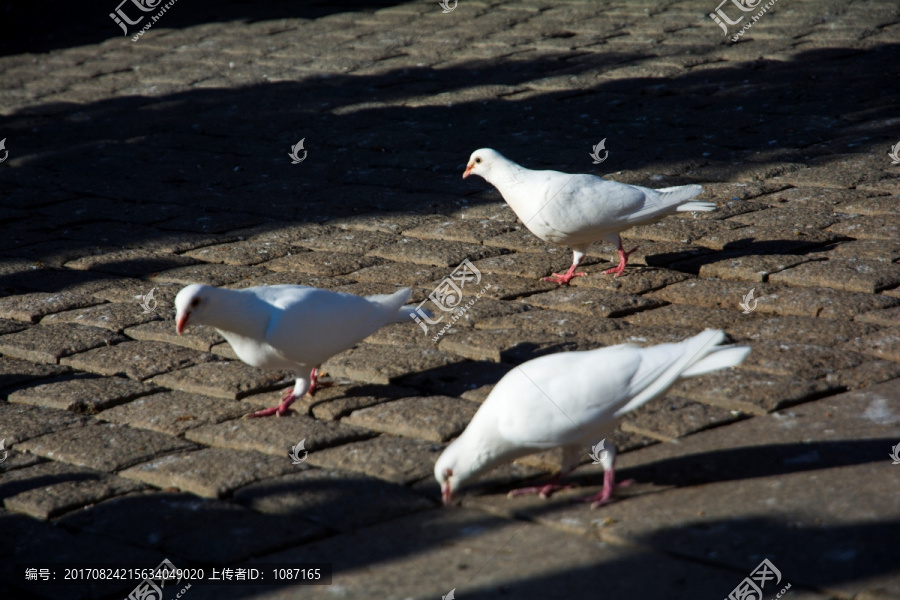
(288, 326)
(571, 400)
(578, 210)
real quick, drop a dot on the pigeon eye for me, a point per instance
(478, 159)
(195, 302)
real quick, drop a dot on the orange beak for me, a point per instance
(181, 323)
(468, 170)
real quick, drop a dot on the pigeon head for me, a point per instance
(453, 468)
(482, 162)
(190, 305)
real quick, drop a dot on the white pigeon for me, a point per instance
(288, 326)
(578, 210)
(571, 400)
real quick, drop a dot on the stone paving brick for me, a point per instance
(522, 240)
(634, 281)
(508, 345)
(18, 460)
(85, 395)
(472, 231)
(682, 231)
(103, 446)
(669, 418)
(768, 240)
(850, 274)
(130, 262)
(20, 422)
(291, 278)
(876, 227)
(593, 302)
(370, 363)
(49, 489)
(889, 317)
(347, 241)
(800, 330)
(232, 380)
(209, 472)
(552, 322)
(115, 317)
(748, 392)
(685, 315)
(323, 264)
(881, 344)
(276, 436)
(7, 326)
(209, 274)
(402, 274)
(210, 223)
(432, 418)
(530, 265)
(774, 299)
(388, 223)
(882, 205)
(137, 360)
(241, 253)
(881, 250)
(125, 291)
(174, 412)
(787, 217)
(31, 307)
(394, 459)
(338, 401)
(196, 337)
(438, 253)
(331, 498)
(180, 525)
(510, 287)
(50, 343)
(742, 267)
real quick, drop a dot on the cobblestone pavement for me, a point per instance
(148, 165)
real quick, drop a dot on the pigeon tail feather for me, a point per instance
(697, 206)
(679, 193)
(409, 311)
(721, 357)
(695, 350)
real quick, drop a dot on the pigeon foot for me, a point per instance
(544, 491)
(564, 278)
(315, 383)
(282, 409)
(605, 495)
(623, 260)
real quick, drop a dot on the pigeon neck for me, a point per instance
(505, 173)
(236, 312)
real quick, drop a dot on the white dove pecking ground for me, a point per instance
(289, 326)
(577, 210)
(571, 400)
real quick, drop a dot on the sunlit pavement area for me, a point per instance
(147, 165)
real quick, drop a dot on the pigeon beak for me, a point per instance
(446, 494)
(468, 170)
(181, 323)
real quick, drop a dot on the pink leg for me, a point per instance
(544, 491)
(316, 384)
(564, 278)
(605, 495)
(623, 258)
(287, 399)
